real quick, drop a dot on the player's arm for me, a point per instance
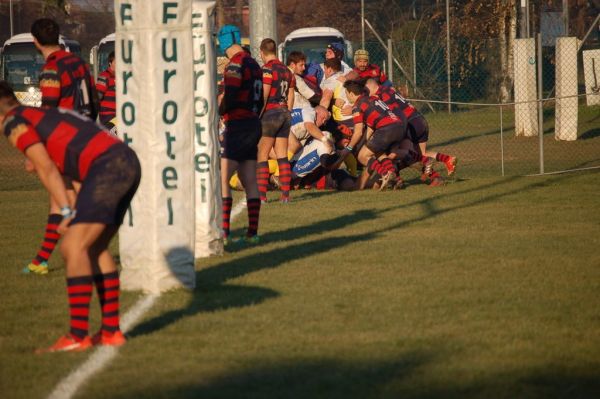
(102, 85)
(290, 98)
(51, 178)
(232, 79)
(326, 98)
(50, 87)
(356, 135)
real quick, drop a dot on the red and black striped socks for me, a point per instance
(285, 177)
(227, 202)
(253, 216)
(108, 288)
(262, 178)
(79, 290)
(442, 157)
(51, 238)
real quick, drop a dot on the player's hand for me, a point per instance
(64, 224)
(328, 144)
(347, 110)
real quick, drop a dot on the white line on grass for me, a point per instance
(102, 355)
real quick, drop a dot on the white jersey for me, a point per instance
(299, 117)
(302, 94)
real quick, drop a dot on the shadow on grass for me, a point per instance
(407, 377)
(213, 294)
(590, 134)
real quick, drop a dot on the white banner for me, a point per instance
(591, 69)
(566, 86)
(206, 144)
(526, 123)
(155, 112)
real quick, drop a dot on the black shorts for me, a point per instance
(240, 140)
(109, 186)
(418, 129)
(382, 139)
(276, 123)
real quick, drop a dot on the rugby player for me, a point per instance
(66, 82)
(366, 70)
(384, 129)
(240, 105)
(58, 141)
(106, 88)
(418, 129)
(278, 93)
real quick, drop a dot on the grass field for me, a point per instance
(483, 288)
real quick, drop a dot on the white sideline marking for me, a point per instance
(102, 355)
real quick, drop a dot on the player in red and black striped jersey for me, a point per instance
(278, 92)
(65, 79)
(364, 70)
(107, 93)
(61, 142)
(418, 129)
(240, 105)
(383, 130)
(65, 82)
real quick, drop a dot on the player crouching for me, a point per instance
(59, 141)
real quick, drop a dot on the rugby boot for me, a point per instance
(67, 343)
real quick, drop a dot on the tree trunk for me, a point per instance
(512, 35)
(504, 91)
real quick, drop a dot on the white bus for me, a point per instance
(99, 54)
(313, 42)
(21, 64)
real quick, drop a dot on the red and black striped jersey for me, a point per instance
(372, 71)
(66, 82)
(72, 141)
(243, 92)
(373, 112)
(107, 92)
(398, 104)
(281, 80)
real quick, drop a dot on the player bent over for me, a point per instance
(240, 105)
(417, 130)
(59, 141)
(383, 130)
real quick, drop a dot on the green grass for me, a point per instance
(482, 288)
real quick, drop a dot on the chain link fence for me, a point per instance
(489, 115)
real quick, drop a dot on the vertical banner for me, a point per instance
(591, 71)
(206, 145)
(154, 108)
(526, 123)
(566, 86)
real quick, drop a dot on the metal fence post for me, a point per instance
(540, 104)
(390, 61)
(448, 54)
(502, 140)
(414, 53)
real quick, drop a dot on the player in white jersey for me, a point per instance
(306, 120)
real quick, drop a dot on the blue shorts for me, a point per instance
(108, 188)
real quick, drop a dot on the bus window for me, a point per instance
(103, 51)
(24, 62)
